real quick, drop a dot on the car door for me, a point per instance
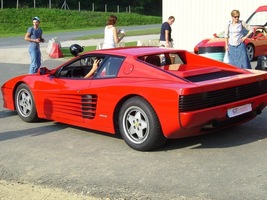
(65, 95)
(103, 85)
(259, 41)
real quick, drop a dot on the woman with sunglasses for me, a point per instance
(234, 41)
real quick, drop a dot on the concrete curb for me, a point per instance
(20, 55)
(94, 42)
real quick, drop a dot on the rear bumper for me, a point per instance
(215, 118)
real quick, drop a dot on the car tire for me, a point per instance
(250, 52)
(25, 104)
(139, 125)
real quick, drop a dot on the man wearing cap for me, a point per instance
(34, 36)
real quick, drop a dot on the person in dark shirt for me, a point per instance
(165, 33)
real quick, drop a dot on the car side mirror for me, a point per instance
(43, 70)
(215, 35)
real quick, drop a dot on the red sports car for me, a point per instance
(256, 44)
(147, 94)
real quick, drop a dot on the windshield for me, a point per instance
(258, 19)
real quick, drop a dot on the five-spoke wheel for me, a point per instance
(25, 105)
(250, 52)
(139, 125)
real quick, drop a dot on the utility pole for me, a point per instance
(49, 4)
(17, 4)
(2, 4)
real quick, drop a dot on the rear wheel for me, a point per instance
(250, 52)
(24, 103)
(139, 125)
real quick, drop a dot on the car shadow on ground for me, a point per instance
(34, 131)
(229, 137)
(7, 113)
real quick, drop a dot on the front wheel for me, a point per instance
(139, 125)
(250, 52)
(24, 103)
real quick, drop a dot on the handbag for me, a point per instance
(226, 57)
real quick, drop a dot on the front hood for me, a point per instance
(213, 42)
(29, 79)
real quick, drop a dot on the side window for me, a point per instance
(110, 67)
(176, 59)
(78, 68)
(162, 59)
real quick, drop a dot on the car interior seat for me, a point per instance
(258, 34)
(154, 60)
(78, 72)
(168, 60)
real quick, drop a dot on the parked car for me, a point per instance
(146, 94)
(256, 44)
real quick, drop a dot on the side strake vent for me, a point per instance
(220, 97)
(89, 102)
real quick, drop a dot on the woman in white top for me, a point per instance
(234, 42)
(111, 35)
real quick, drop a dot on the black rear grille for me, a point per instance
(220, 97)
(89, 106)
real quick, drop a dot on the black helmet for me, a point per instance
(75, 49)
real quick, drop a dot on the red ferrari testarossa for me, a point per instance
(146, 94)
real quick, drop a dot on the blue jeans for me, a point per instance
(35, 55)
